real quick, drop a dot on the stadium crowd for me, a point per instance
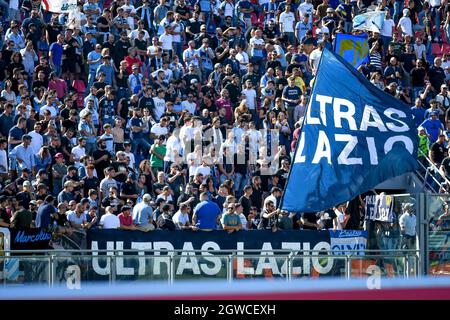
(179, 114)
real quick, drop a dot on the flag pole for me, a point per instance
(303, 123)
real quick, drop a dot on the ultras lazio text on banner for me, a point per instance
(354, 137)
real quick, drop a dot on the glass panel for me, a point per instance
(141, 268)
(200, 267)
(259, 267)
(385, 236)
(392, 266)
(438, 215)
(24, 270)
(70, 269)
(318, 266)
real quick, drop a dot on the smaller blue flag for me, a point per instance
(353, 48)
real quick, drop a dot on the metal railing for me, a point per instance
(52, 267)
(428, 173)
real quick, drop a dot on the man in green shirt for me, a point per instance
(157, 151)
(231, 221)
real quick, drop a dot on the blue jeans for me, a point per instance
(398, 8)
(91, 80)
(348, 26)
(140, 142)
(386, 41)
(178, 49)
(436, 16)
(239, 183)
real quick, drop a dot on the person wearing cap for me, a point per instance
(424, 145)
(329, 21)
(433, 126)
(128, 189)
(405, 24)
(302, 27)
(143, 214)
(59, 170)
(444, 97)
(126, 220)
(23, 155)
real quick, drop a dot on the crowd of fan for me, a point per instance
(179, 114)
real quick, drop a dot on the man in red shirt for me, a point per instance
(57, 84)
(132, 59)
(126, 220)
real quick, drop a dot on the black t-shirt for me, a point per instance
(246, 205)
(53, 31)
(103, 21)
(102, 165)
(408, 59)
(280, 83)
(271, 34)
(4, 216)
(159, 186)
(90, 183)
(70, 52)
(182, 10)
(234, 92)
(165, 222)
(267, 223)
(122, 82)
(438, 151)
(129, 188)
(70, 124)
(328, 219)
(310, 217)
(121, 171)
(418, 77)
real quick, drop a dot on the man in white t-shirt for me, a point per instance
(159, 129)
(160, 104)
(79, 151)
(37, 140)
(166, 39)
(287, 21)
(405, 24)
(306, 7)
(181, 218)
(315, 55)
(204, 168)
(109, 220)
(339, 222)
(250, 97)
(189, 104)
(387, 30)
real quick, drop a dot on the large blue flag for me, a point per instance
(353, 48)
(354, 137)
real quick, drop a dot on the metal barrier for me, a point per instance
(59, 267)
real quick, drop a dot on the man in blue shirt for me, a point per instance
(206, 214)
(433, 126)
(108, 70)
(55, 54)
(291, 96)
(45, 212)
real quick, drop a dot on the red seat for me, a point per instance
(436, 50)
(445, 48)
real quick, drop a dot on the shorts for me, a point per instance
(69, 65)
